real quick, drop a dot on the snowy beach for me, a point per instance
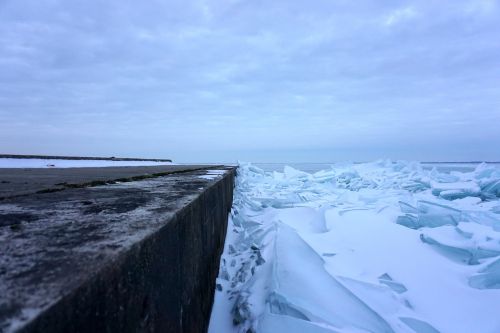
(373, 247)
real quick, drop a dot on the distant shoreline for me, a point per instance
(44, 157)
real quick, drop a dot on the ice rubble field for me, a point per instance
(377, 247)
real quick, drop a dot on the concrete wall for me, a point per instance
(163, 283)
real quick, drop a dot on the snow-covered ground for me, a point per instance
(375, 247)
(53, 163)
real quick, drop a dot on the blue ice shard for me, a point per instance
(418, 326)
(488, 277)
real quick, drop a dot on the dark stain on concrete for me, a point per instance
(10, 219)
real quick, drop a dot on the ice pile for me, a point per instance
(376, 247)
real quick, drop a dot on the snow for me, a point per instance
(372, 247)
(55, 163)
(212, 174)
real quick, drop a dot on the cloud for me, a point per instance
(177, 78)
(400, 15)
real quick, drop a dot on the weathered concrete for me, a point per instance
(21, 181)
(137, 256)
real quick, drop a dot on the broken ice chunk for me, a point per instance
(395, 286)
(490, 188)
(464, 233)
(289, 201)
(457, 190)
(409, 221)
(324, 175)
(483, 170)
(454, 253)
(326, 298)
(483, 218)
(418, 326)
(224, 275)
(415, 185)
(277, 323)
(456, 194)
(305, 219)
(435, 215)
(469, 201)
(467, 243)
(279, 305)
(489, 277)
(407, 208)
(385, 276)
(350, 179)
(428, 214)
(469, 256)
(442, 177)
(291, 173)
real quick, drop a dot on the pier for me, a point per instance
(116, 249)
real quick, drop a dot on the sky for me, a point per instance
(251, 80)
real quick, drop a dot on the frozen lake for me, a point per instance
(445, 167)
(370, 247)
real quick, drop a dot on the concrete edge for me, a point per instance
(64, 186)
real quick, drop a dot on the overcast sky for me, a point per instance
(227, 80)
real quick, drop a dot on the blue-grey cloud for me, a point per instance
(256, 80)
